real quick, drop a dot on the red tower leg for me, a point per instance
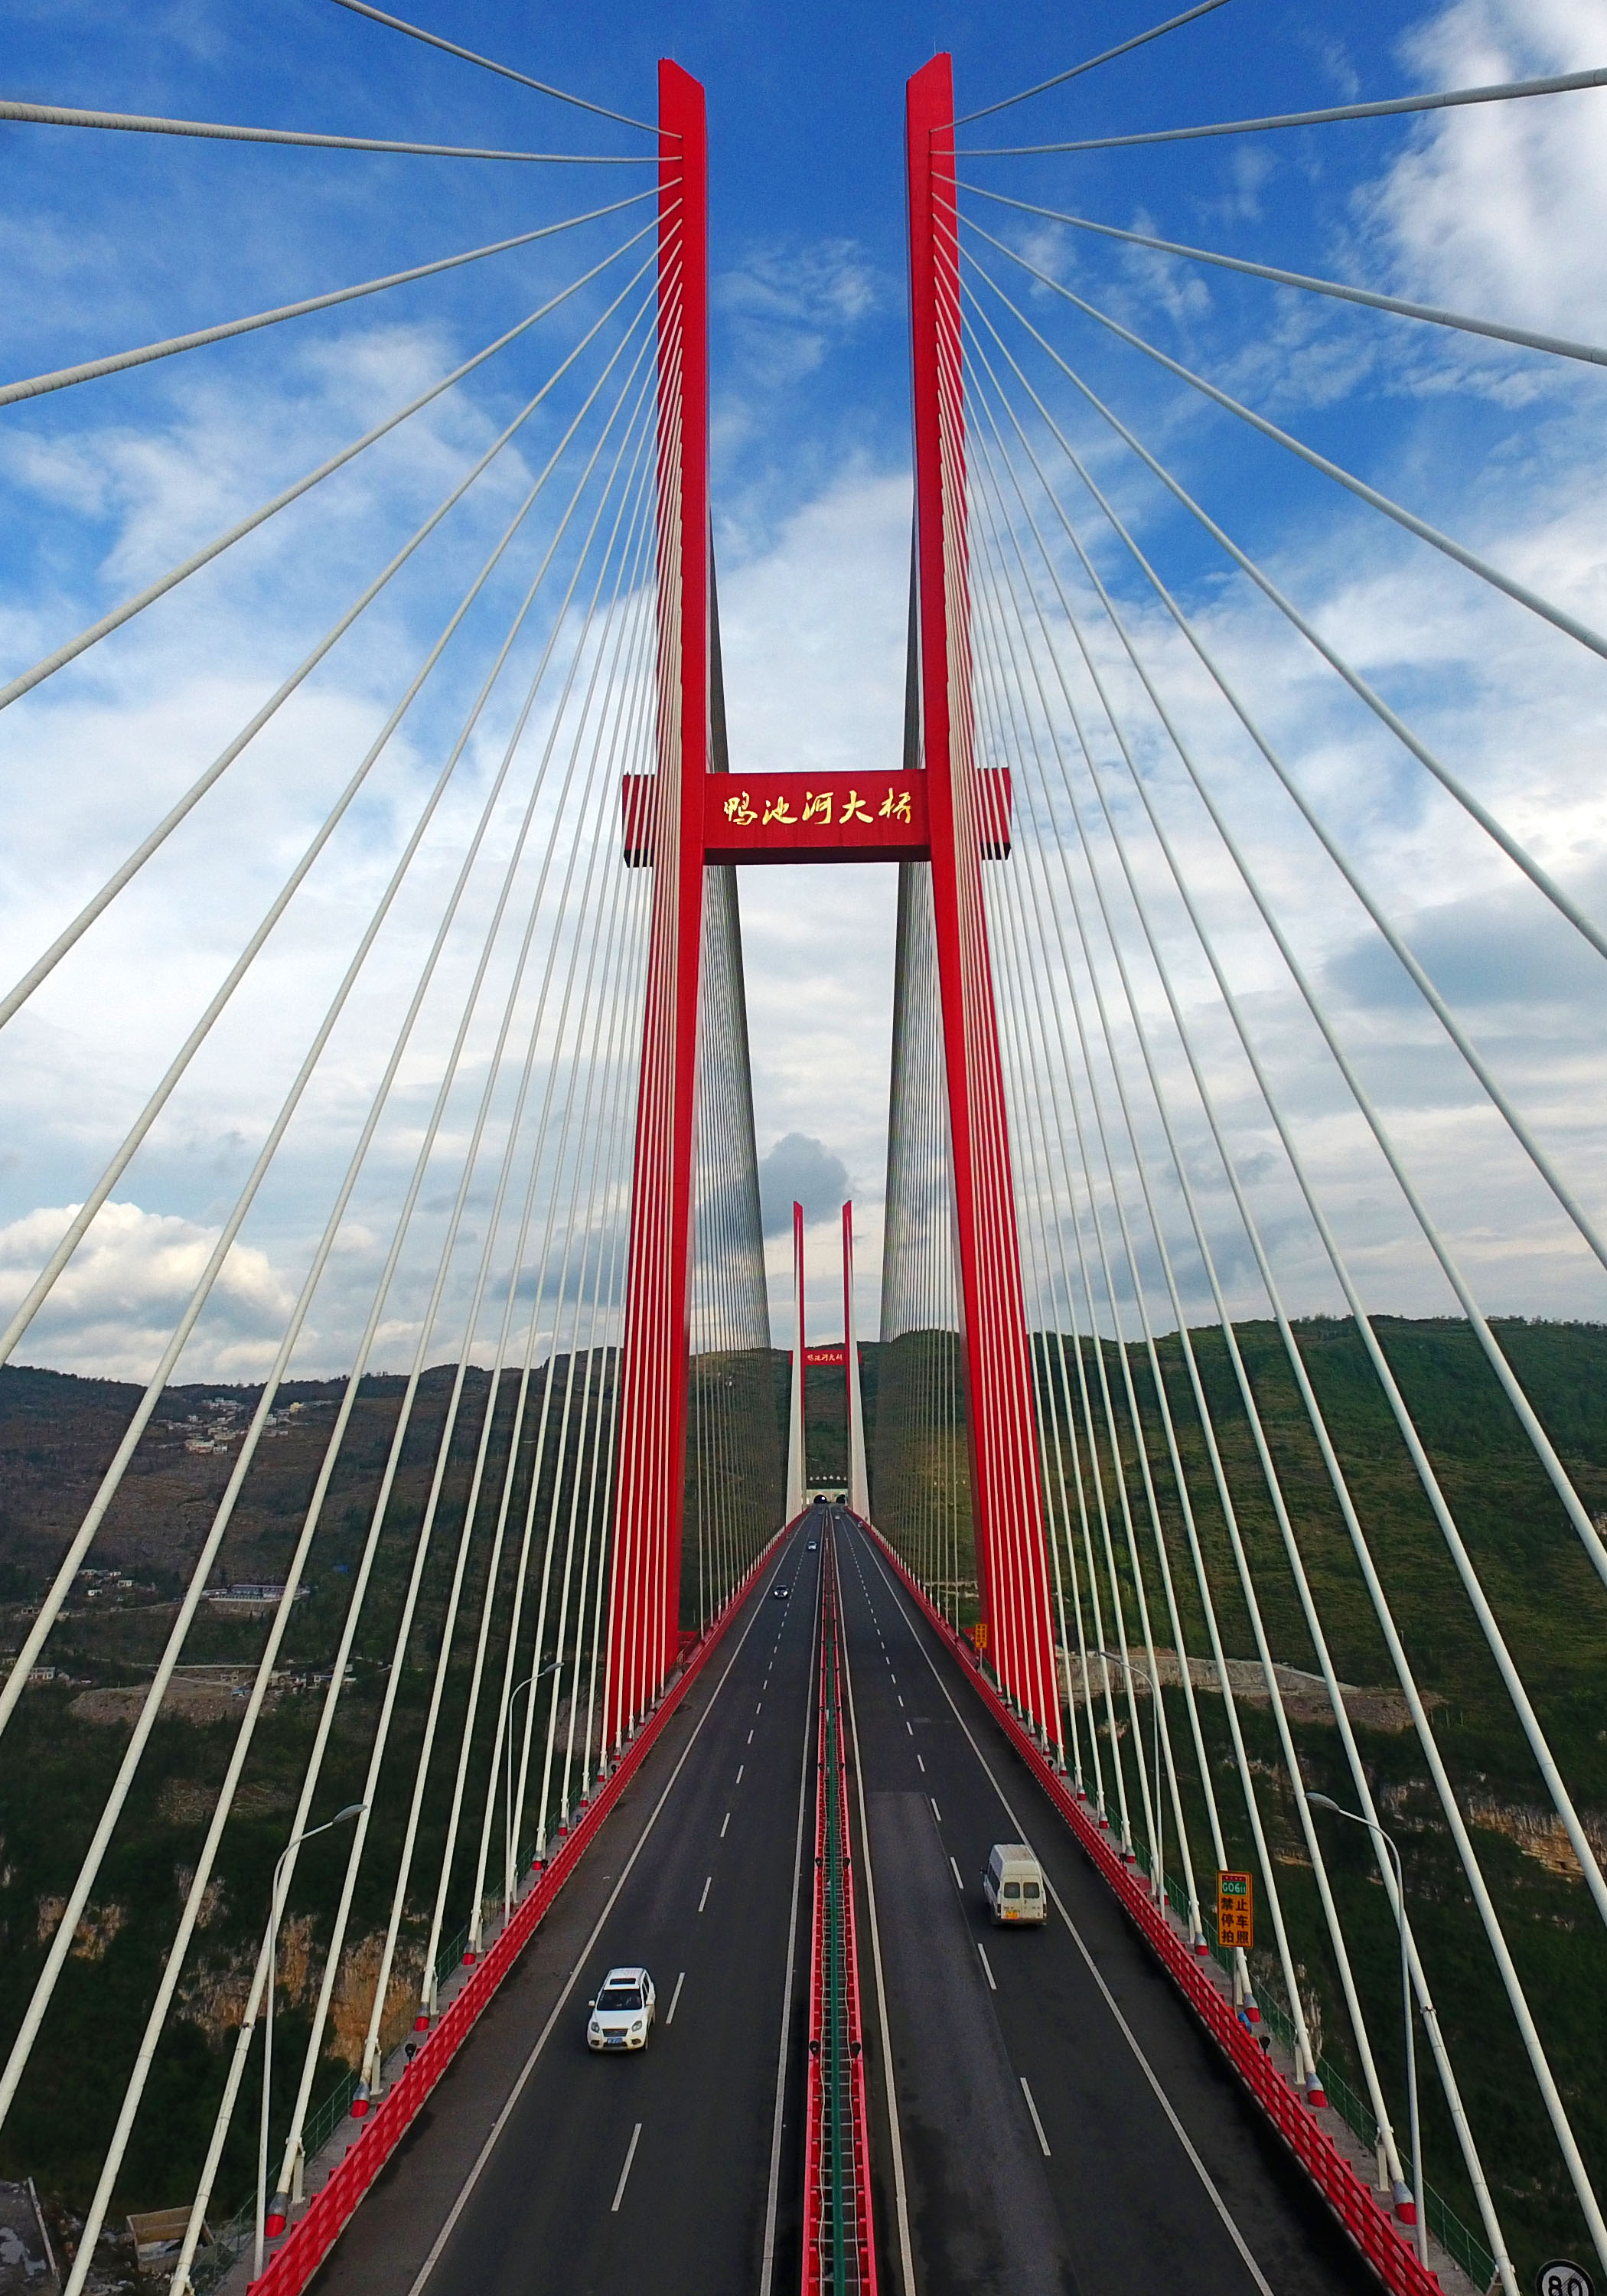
(645, 1591)
(1002, 1433)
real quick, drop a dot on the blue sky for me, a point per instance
(110, 240)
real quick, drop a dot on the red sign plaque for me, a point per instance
(774, 817)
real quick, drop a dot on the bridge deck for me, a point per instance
(1116, 2203)
(510, 2180)
(537, 2167)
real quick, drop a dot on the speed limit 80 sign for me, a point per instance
(1560, 2278)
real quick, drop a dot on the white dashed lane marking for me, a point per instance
(630, 2154)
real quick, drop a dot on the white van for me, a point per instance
(1013, 1884)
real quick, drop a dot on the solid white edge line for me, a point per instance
(1128, 2034)
(1032, 2109)
(773, 2192)
(675, 1999)
(630, 2154)
(987, 1966)
(559, 2006)
(906, 2260)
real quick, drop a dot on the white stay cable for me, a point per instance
(226, 2105)
(112, 1479)
(631, 1020)
(1419, 977)
(1590, 1538)
(115, 1801)
(85, 1214)
(1358, 1773)
(1525, 337)
(1037, 1136)
(140, 123)
(1112, 1439)
(521, 1568)
(470, 1323)
(91, 370)
(615, 1132)
(448, 1852)
(1013, 942)
(1529, 2033)
(1136, 1416)
(1517, 853)
(630, 944)
(73, 932)
(1240, 1754)
(1520, 591)
(1424, 1728)
(73, 647)
(592, 1310)
(516, 1425)
(1594, 1547)
(1268, 1470)
(360, 1829)
(503, 71)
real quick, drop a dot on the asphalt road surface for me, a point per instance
(537, 2167)
(1034, 2153)
(1056, 2121)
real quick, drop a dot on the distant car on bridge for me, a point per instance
(624, 2013)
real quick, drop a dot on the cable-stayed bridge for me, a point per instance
(602, 1635)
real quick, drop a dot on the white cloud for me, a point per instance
(799, 1170)
(1501, 208)
(790, 306)
(115, 1304)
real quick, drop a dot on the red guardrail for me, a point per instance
(832, 1818)
(331, 2208)
(1352, 2202)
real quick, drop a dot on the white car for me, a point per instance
(623, 2013)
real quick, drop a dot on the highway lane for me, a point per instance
(600, 2175)
(1035, 2152)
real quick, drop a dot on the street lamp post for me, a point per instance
(1158, 1879)
(271, 1948)
(528, 1683)
(1419, 2213)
